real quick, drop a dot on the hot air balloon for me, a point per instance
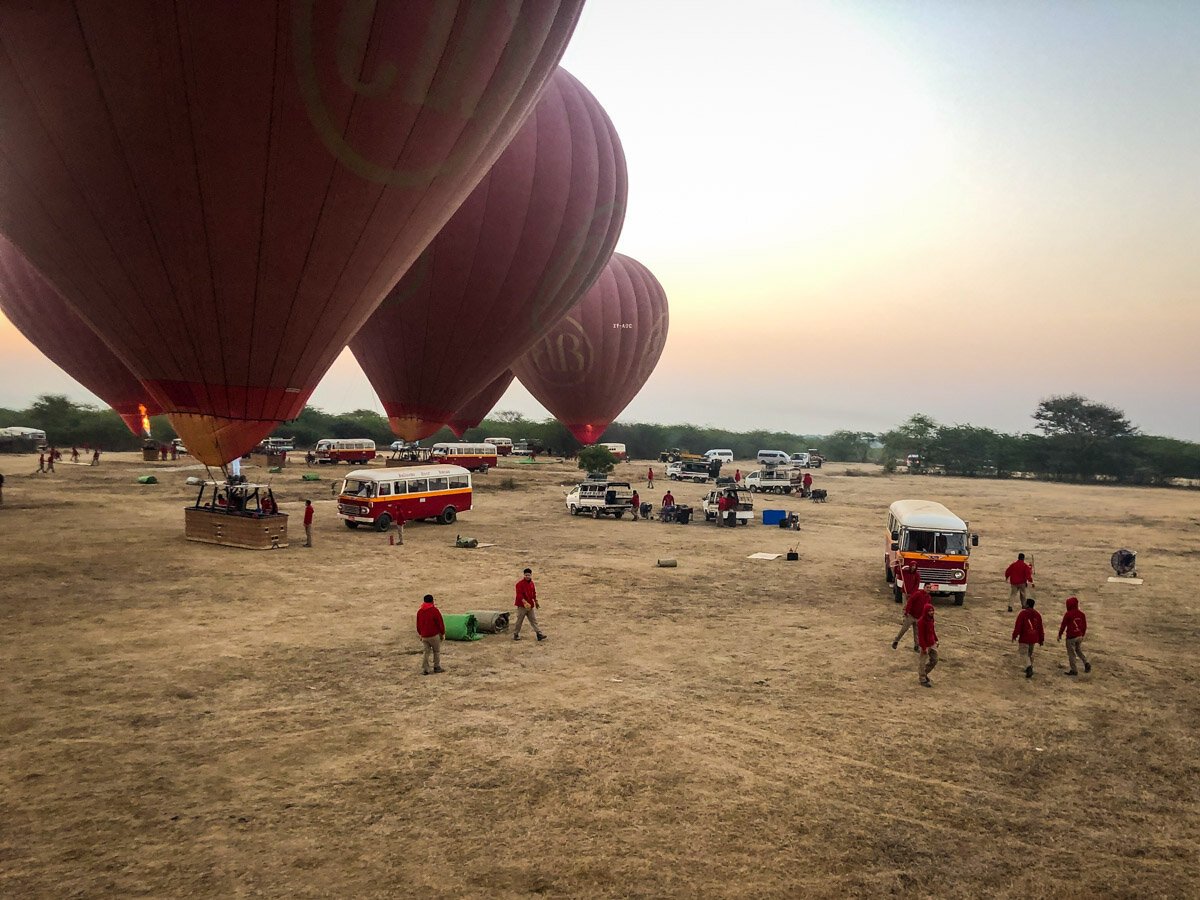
(41, 314)
(225, 192)
(593, 362)
(480, 405)
(520, 251)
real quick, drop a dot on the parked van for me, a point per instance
(773, 458)
(503, 445)
(935, 540)
(375, 496)
(617, 450)
(476, 457)
(356, 451)
(725, 456)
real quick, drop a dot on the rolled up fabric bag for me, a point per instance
(492, 621)
(460, 627)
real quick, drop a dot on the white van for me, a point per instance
(773, 458)
(617, 450)
(725, 456)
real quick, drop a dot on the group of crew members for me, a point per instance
(1028, 631)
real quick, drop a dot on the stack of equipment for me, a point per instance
(492, 621)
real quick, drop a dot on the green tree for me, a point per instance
(916, 435)
(597, 459)
(848, 446)
(1083, 436)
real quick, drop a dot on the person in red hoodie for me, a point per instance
(432, 631)
(1028, 630)
(910, 578)
(1074, 623)
(1019, 576)
(927, 640)
(526, 603)
(308, 520)
(917, 601)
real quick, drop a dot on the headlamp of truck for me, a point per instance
(958, 574)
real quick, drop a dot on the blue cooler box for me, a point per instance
(773, 516)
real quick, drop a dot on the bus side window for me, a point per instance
(385, 489)
(418, 485)
(458, 481)
(438, 484)
(401, 487)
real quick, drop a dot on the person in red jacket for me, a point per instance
(1028, 630)
(927, 640)
(807, 482)
(526, 603)
(308, 520)
(1019, 576)
(650, 478)
(910, 578)
(432, 631)
(636, 503)
(917, 601)
(1074, 623)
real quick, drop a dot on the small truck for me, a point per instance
(745, 505)
(600, 498)
(698, 470)
(774, 480)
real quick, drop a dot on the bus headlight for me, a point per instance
(958, 574)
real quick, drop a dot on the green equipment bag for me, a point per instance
(460, 627)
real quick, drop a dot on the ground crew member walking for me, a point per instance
(927, 641)
(399, 522)
(1028, 630)
(807, 482)
(910, 578)
(41, 462)
(432, 631)
(650, 478)
(917, 601)
(308, 519)
(526, 603)
(636, 502)
(1019, 576)
(1074, 623)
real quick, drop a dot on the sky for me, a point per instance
(862, 210)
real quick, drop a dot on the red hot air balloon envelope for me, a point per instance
(520, 251)
(593, 362)
(481, 404)
(226, 191)
(41, 314)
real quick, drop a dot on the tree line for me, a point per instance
(1073, 439)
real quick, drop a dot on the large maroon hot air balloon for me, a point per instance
(520, 251)
(593, 362)
(481, 404)
(226, 191)
(41, 314)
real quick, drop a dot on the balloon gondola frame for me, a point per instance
(232, 514)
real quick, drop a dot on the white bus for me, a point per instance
(356, 451)
(617, 450)
(503, 445)
(476, 457)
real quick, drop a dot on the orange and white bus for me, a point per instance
(934, 539)
(356, 451)
(376, 497)
(476, 457)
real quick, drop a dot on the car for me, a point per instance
(773, 458)
(725, 456)
(773, 480)
(800, 460)
(698, 470)
(600, 498)
(745, 505)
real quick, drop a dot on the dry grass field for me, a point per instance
(180, 719)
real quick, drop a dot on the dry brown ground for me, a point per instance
(180, 719)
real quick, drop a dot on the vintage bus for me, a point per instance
(936, 540)
(617, 450)
(476, 457)
(356, 451)
(374, 497)
(503, 445)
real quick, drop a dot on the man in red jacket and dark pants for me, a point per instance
(928, 641)
(1028, 630)
(917, 601)
(1019, 576)
(432, 631)
(526, 603)
(1074, 623)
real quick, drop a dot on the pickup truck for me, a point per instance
(745, 507)
(774, 480)
(698, 470)
(600, 498)
(815, 458)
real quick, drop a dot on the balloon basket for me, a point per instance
(232, 530)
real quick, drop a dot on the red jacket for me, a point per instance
(308, 515)
(429, 621)
(1019, 572)
(917, 601)
(807, 480)
(1029, 627)
(526, 593)
(1074, 623)
(911, 580)
(668, 499)
(926, 636)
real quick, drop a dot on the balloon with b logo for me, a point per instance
(589, 366)
(226, 191)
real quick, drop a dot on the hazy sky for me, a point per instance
(864, 210)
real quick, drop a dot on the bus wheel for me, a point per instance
(449, 514)
(382, 523)
(351, 525)
(959, 598)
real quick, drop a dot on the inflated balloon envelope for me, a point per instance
(225, 191)
(481, 404)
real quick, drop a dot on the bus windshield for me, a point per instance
(944, 542)
(356, 488)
